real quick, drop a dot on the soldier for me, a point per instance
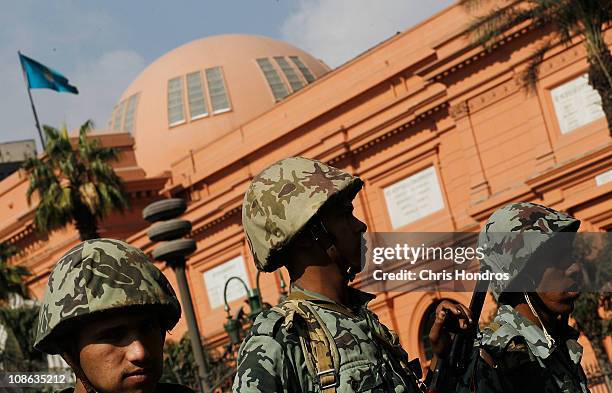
(529, 346)
(106, 311)
(298, 213)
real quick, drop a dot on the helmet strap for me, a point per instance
(78, 372)
(549, 339)
(326, 240)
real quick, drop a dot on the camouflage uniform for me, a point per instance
(514, 354)
(96, 276)
(272, 360)
(275, 356)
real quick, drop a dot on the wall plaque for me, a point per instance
(413, 198)
(215, 279)
(576, 104)
(603, 178)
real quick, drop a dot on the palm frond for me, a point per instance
(69, 178)
(473, 5)
(490, 27)
(12, 277)
(530, 76)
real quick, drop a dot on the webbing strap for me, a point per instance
(322, 303)
(320, 351)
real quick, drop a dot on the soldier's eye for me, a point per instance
(150, 325)
(113, 334)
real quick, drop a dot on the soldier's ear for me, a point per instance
(303, 240)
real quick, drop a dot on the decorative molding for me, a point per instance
(560, 60)
(459, 110)
(481, 53)
(196, 233)
(495, 94)
(419, 117)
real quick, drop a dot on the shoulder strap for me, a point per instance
(318, 345)
(321, 303)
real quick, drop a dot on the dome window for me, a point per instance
(109, 123)
(279, 90)
(195, 95)
(303, 69)
(216, 90)
(118, 116)
(128, 123)
(294, 80)
(176, 113)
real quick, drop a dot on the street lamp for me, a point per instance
(174, 252)
(235, 326)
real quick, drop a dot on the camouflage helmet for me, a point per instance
(101, 275)
(507, 250)
(283, 198)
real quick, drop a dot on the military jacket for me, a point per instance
(513, 355)
(271, 357)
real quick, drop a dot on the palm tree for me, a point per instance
(11, 276)
(569, 18)
(12, 281)
(74, 184)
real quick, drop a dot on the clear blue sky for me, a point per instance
(101, 46)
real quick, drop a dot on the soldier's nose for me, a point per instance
(361, 226)
(574, 272)
(136, 351)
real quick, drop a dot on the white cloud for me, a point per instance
(338, 30)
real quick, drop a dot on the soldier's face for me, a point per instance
(122, 352)
(560, 280)
(348, 231)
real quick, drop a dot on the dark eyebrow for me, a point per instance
(117, 326)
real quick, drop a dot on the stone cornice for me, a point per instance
(514, 84)
(567, 173)
(468, 55)
(218, 218)
(572, 171)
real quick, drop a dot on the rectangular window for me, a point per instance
(128, 123)
(303, 69)
(118, 116)
(294, 80)
(195, 95)
(274, 81)
(216, 90)
(176, 114)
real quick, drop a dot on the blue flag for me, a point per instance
(40, 76)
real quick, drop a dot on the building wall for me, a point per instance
(424, 98)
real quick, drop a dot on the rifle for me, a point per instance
(444, 376)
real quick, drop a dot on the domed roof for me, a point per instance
(202, 90)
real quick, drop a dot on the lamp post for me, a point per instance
(235, 326)
(174, 252)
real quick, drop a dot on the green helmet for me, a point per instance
(507, 250)
(283, 198)
(101, 275)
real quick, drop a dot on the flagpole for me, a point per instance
(25, 79)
